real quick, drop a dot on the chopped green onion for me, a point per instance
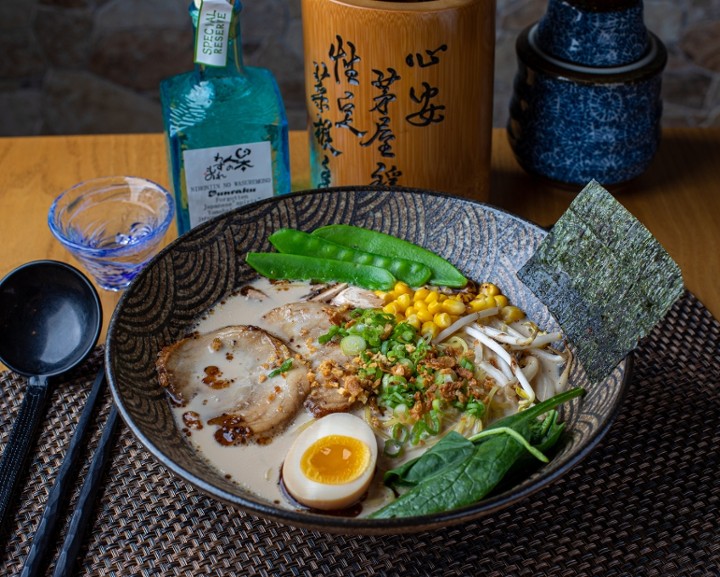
(433, 421)
(400, 433)
(419, 431)
(393, 448)
(353, 345)
(327, 337)
(400, 410)
(407, 363)
(284, 368)
(467, 364)
(475, 408)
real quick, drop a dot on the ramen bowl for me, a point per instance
(207, 264)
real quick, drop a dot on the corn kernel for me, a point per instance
(420, 294)
(477, 305)
(482, 302)
(431, 297)
(410, 311)
(442, 320)
(429, 329)
(489, 289)
(402, 288)
(420, 305)
(434, 307)
(500, 301)
(424, 315)
(403, 302)
(511, 313)
(391, 308)
(453, 306)
(413, 321)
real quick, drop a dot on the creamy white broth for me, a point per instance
(257, 467)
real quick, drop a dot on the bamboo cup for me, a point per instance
(400, 93)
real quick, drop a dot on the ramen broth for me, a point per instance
(257, 466)
(253, 466)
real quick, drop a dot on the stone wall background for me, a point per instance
(93, 66)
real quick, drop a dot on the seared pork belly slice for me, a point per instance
(225, 375)
(300, 325)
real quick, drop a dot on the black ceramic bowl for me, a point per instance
(208, 263)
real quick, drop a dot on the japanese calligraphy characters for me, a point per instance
(397, 96)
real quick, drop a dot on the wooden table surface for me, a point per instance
(678, 198)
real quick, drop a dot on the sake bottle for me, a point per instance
(225, 123)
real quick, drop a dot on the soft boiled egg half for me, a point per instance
(331, 463)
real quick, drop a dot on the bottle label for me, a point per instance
(219, 179)
(213, 32)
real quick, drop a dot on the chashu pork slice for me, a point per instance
(224, 377)
(345, 294)
(300, 324)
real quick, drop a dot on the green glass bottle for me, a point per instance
(225, 123)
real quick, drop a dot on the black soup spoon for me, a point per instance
(50, 321)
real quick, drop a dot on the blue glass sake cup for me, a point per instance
(112, 225)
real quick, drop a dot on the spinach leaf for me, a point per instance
(544, 435)
(449, 450)
(530, 414)
(441, 482)
(459, 484)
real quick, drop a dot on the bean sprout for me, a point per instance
(506, 357)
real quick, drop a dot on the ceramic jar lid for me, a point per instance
(650, 63)
(598, 33)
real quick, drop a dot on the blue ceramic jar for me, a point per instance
(586, 102)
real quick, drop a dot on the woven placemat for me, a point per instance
(646, 502)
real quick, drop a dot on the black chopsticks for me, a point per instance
(84, 507)
(36, 561)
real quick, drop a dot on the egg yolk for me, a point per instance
(335, 460)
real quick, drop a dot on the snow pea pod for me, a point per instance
(291, 241)
(275, 265)
(443, 273)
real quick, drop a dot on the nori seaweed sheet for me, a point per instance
(604, 277)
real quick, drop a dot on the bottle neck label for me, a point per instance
(213, 33)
